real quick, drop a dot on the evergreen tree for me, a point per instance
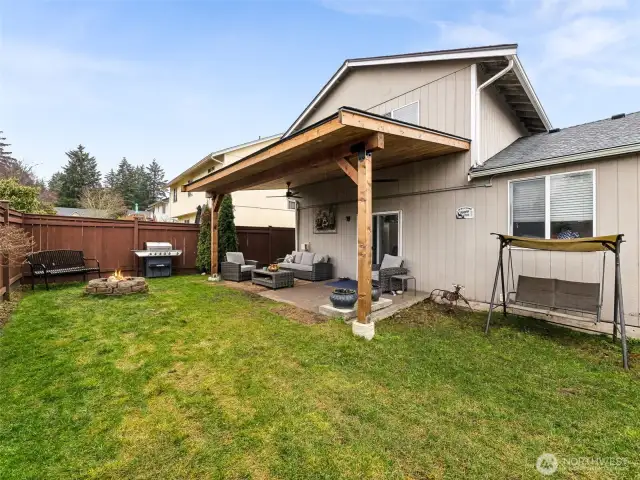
(110, 179)
(5, 155)
(123, 182)
(156, 182)
(227, 235)
(203, 256)
(80, 172)
(55, 182)
(141, 187)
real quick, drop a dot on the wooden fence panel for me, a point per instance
(112, 241)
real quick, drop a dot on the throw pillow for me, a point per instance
(297, 257)
(288, 258)
(307, 258)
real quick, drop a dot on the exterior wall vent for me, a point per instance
(617, 116)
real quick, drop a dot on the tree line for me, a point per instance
(137, 185)
(80, 184)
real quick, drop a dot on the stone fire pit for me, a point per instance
(113, 286)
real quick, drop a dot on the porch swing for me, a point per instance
(554, 297)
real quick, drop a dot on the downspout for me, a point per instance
(478, 112)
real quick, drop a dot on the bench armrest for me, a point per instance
(251, 262)
(32, 265)
(95, 260)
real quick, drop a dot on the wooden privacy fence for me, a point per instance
(112, 241)
(265, 244)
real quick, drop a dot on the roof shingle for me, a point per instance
(578, 139)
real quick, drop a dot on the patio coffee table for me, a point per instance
(274, 280)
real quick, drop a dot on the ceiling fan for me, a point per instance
(288, 194)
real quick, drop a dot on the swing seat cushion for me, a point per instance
(558, 294)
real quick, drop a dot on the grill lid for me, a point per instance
(157, 246)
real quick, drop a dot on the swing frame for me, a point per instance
(610, 243)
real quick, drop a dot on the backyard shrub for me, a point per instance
(227, 236)
(203, 257)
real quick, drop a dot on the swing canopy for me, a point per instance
(587, 244)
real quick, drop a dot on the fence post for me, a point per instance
(136, 236)
(5, 260)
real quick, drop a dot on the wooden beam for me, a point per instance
(365, 221)
(378, 125)
(371, 143)
(216, 201)
(279, 147)
(349, 169)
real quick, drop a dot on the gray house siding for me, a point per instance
(440, 250)
(443, 89)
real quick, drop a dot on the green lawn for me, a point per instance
(201, 381)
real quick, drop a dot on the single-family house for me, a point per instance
(159, 210)
(254, 208)
(425, 155)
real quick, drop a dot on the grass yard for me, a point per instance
(202, 381)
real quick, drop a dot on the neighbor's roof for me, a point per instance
(515, 85)
(603, 138)
(72, 212)
(210, 156)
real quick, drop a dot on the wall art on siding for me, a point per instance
(325, 220)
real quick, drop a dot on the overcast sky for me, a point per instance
(175, 80)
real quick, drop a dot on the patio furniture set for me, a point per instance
(390, 275)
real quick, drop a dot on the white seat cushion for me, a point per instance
(235, 257)
(296, 266)
(389, 261)
(375, 275)
(247, 268)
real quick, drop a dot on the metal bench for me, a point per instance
(54, 263)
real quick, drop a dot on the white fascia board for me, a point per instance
(500, 52)
(549, 162)
(209, 157)
(528, 88)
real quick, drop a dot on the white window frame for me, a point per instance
(400, 233)
(406, 105)
(547, 199)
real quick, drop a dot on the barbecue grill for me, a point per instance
(156, 258)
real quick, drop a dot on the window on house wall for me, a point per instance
(557, 206)
(409, 113)
(164, 208)
(190, 194)
(292, 204)
(175, 194)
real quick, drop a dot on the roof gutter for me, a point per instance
(478, 132)
(549, 162)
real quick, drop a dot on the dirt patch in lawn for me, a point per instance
(8, 306)
(298, 314)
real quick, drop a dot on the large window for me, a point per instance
(553, 206)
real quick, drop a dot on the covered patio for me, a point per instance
(350, 142)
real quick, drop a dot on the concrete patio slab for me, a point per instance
(312, 295)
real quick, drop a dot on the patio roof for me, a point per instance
(318, 152)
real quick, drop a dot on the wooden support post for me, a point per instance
(365, 221)
(216, 201)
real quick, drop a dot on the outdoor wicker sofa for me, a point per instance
(382, 272)
(315, 267)
(236, 268)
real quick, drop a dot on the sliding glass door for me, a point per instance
(387, 235)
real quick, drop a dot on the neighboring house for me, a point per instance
(252, 208)
(79, 212)
(160, 210)
(517, 176)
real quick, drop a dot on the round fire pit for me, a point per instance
(113, 286)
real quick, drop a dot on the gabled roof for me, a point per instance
(211, 156)
(519, 88)
(603, 138)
